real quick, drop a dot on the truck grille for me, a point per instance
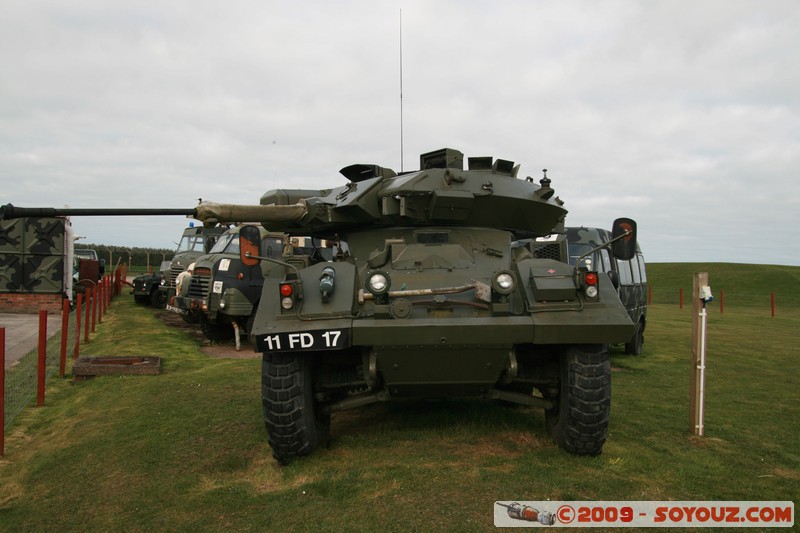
(199, 286)
(547, 251)
(172, 274)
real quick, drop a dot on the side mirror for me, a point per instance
(250, 246)
(623, 235)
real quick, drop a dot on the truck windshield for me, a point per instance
(190, 243)
(576, 250)
(222, 244)
(272, 247)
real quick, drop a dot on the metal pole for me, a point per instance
(88, 313)
(78, 313)
(702, 369)
(2, 392)
(697, 390)
(95, 294)
(64, 334)
(42, 357)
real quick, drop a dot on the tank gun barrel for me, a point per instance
(212, 211)
(208, 212)
(10, 211)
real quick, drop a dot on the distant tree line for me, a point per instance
(138, 258)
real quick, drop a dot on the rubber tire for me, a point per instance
(215, 332)
(579, 421)
(191, 317)
(295, 423)
(636, 345)
(157, 299)
(141, 300)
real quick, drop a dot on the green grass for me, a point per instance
(732, 278)
(187, 450)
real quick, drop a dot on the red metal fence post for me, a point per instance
(772, 303)
(95, 294)
(680, 303)
(78, 312)
(101, 297)
(62, 366)
(88, 303)
(42, 357)
(107, 290)
(2, 392)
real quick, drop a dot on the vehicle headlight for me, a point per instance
(378, 283)
(504, 282)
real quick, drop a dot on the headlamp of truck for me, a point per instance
(504, 282)
(378, 283)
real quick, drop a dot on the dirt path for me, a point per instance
(211, 349)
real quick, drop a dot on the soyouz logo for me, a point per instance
(643, 514)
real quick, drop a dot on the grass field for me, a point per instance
(187, 450)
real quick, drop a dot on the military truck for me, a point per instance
(222, 292)
(628, 276)
(429, 294)
(195, 241)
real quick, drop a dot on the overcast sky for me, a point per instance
(683, 115)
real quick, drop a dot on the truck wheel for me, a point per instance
(295, 422)
(635, 346)
(191, 317)
(215, 332)
(140, 299)
(579, 421)
(157, 299)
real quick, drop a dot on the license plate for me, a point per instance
(176, 309)
(323, 339)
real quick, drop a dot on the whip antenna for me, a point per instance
(401, 90)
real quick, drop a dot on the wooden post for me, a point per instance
(64, 334)
(696, 414)
(42, 357)
(721, 301)
(680, 303)
(772, 303)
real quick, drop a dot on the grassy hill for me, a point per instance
(737, 280)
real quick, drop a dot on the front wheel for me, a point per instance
(636, 344)
(579, 421)
(158, 299)
(215, 332)
(295, 422)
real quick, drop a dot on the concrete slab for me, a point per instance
(22, 333)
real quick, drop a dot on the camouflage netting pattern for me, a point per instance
(32, 255)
